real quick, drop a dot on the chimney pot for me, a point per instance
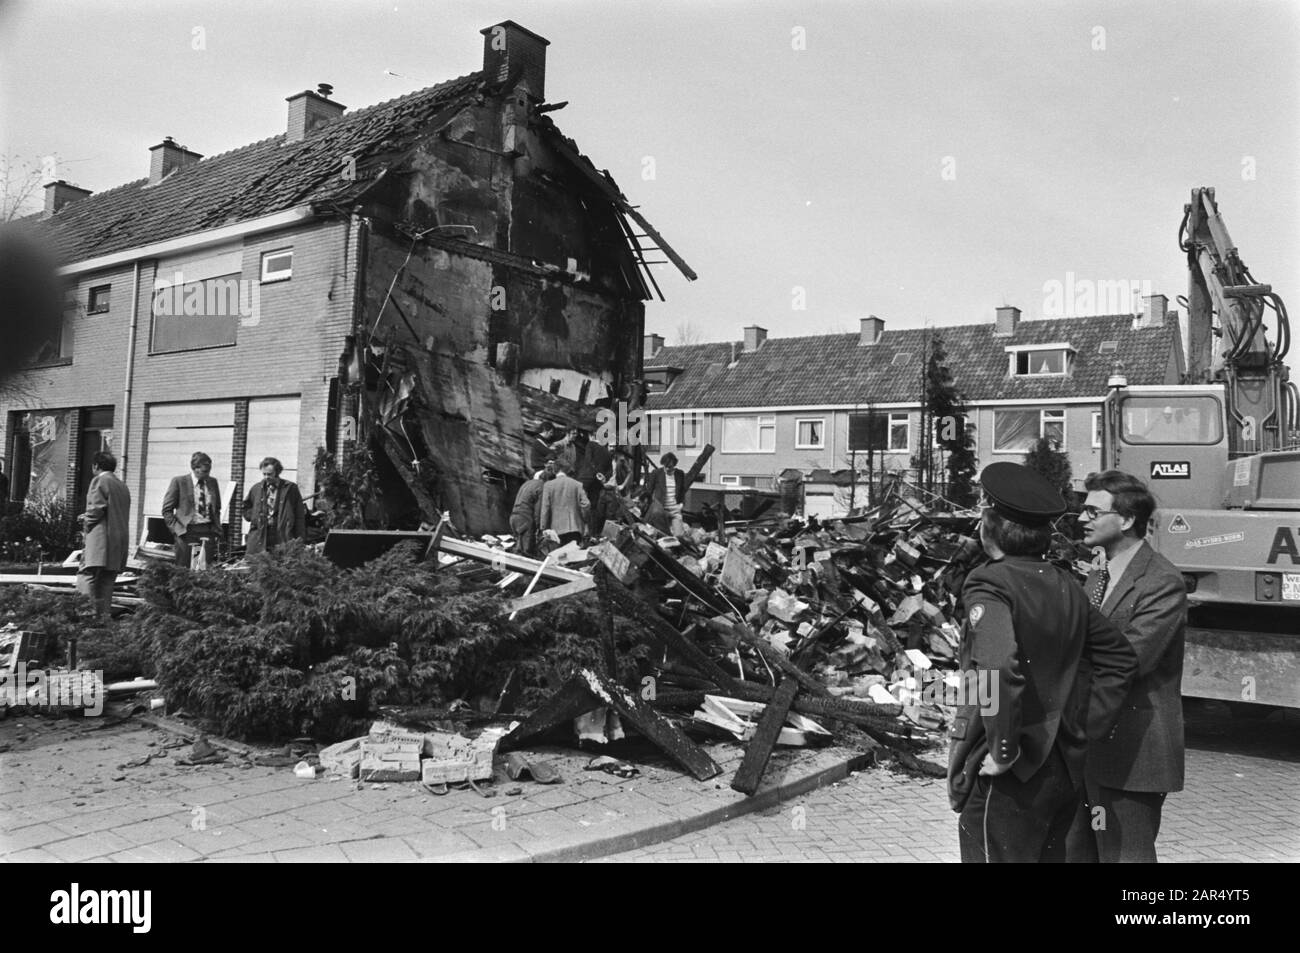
(1154, 310)
(508, 49)
(870, 331)
(59, 194)
(310, 111)
(651, 345)
(754, 337)
(166, 157)
(1005, 322)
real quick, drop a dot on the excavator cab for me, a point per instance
(1175, 438)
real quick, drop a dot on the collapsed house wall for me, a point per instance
(500, 294)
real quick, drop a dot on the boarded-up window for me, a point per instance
(273, 426)
(199, 302)
(176, 431)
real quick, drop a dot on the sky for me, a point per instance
(815, 163)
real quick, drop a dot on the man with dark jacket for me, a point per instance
(1016, 764)
(665, 491)
(105, 522)
(1130, 772)
(274, 510)
(191, 508)
(526, 514)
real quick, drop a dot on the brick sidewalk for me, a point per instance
(66, 798)
(1241, 804)
(63, 797)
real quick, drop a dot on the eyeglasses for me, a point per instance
(1091, 512)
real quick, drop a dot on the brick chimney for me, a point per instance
(651, 344)
(166, 157)
(310, 111)
(59, 194)
(509, 49)
(1006, 321)
(754, 337)
(870, 331)
(1154, 310)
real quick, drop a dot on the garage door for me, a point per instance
(178, 430)
(272, 432)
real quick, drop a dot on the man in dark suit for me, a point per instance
(1015, 771)
(1130, 772)
(105, 523)
(191, 508)
(664, 493)
(274, 509)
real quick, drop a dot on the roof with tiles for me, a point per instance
(834, 369)
(256, 180)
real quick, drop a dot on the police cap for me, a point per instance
(1020, 494)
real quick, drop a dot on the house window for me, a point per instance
(729, 479)
(1014, 431)
(277, 265)
(54, 345)
(749, 434)
(877, 432)
(198, 314)
(899, 436)
(1096, 429)
(98, 303)
(1108, 347)
(1041, 363)
(674, 430)
(810, 433)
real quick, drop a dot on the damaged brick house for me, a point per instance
(438, 277)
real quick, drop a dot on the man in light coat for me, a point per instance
(1130, 772)
(105, 522)
(191, 508)
(565, 507)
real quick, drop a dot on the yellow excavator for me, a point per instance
(1221, 452)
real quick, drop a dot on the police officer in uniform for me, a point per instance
(1015, 771)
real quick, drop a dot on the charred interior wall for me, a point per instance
(494, 270)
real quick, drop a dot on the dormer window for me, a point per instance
(1045, 360)
(659, 379)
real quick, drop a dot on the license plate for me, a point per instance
(1291, 586)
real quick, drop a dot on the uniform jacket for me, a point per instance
(178, 504)
(108, 511)
(1029, 625)
(290, 515)
(1145, 751)
(565, 506)
(657, 484)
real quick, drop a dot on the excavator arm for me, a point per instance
(1263, 405)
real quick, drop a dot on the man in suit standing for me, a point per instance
(191, 508)
(274, 509)
(565, 507)
(105, 523)
(1130, 772)
(1016, 765)
(667, 488)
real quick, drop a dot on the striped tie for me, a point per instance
(1099, 589)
